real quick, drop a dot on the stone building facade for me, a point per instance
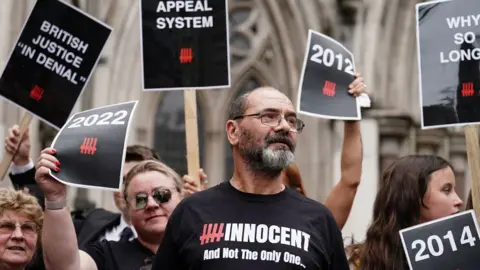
(268, 39)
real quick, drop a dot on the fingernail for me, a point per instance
(54, 151)
(57, 169)
(57, 163)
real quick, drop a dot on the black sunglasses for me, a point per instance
(160, 195)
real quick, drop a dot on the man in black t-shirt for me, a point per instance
(253, 221)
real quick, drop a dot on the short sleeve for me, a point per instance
(97, 252)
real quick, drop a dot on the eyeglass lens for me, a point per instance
(8, 227)
(159, 195)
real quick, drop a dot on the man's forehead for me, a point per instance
(267, 97)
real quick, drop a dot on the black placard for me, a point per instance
(184, 44)
(444, 244)
(449, 62)
(52, 60)
(328, 69)
(91, 147)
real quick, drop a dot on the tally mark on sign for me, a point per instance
(186, 55)
(89, 146)
(36, 93)
(329, 88)
(467, 89)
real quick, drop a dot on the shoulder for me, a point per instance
(106, 246)
(205, 197)
(304, 203)
(100, 213)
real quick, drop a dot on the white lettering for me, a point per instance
(58, 68)
(261, 233)
(460, 55)
(463, 21)
(184, 22)
(211, 254)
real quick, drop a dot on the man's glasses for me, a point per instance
(273, 119)
(160, 195)
(28, 228)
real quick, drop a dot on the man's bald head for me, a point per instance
(240, 104)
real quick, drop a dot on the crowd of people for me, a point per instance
(261, 218)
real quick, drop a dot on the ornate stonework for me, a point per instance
(268, 39)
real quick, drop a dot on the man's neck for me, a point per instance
(256, 182)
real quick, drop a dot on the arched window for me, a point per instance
(170, 139)
(249, 84)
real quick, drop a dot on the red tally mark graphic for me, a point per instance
(211, 233)
(467, 90)
(89, 146)
(186, 55)
(329, 88)
(36, 93)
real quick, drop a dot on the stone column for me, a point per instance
(431, 142)
(458, 159)
(396, 139)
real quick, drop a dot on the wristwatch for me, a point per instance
(55, 205)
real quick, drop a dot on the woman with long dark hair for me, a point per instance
(413, 190)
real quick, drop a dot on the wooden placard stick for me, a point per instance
(473, 156)
(7, 157)
(191, 133)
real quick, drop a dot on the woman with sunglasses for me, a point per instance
(152, 191)
(413, 190)
(21, 219)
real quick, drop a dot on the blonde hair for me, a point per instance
(152, 166)
(22, 203)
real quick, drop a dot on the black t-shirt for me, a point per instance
(112, 255)
(224, 228)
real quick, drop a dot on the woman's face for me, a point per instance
(18, 238)
(440, 200)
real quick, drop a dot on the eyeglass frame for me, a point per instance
(259, 115)
(20, 225)
(150, 194)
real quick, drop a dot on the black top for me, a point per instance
(223, 228)
(112, 255)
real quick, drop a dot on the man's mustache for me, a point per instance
(280, 139)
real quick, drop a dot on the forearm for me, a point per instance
(60, 248)
(352, 154)
(340, 199)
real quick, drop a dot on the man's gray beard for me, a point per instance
(267, 161)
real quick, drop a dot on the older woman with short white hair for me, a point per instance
(21, 219)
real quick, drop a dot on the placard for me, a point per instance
(185, 44)
(449, 62)
(52, 60)
(328, 70)
(444, 244)
(91, 147)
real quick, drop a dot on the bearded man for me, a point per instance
(253, 221)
